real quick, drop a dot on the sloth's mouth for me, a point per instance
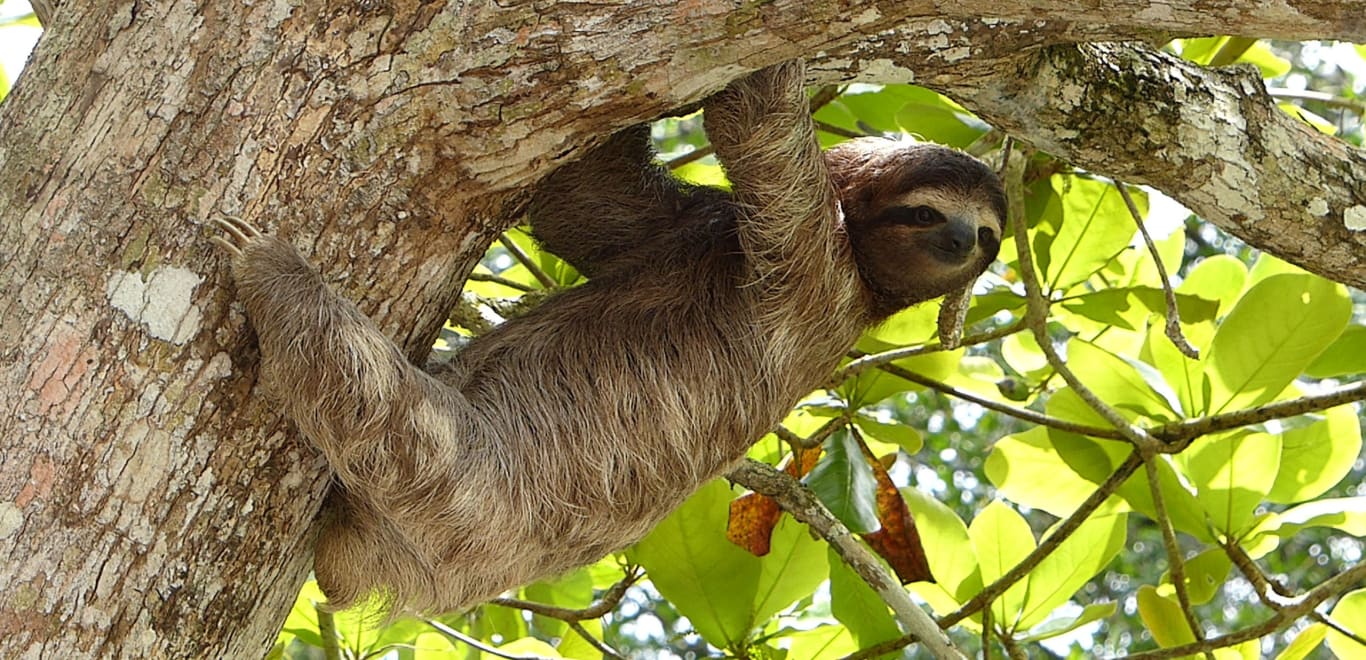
(949, 254)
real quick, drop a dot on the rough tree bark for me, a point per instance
(150, 504)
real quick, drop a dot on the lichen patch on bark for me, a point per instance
(163, 302)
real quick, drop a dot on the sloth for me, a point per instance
(569, 432)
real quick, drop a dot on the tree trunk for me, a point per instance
(150, 504)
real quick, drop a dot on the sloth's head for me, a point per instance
(923, 220)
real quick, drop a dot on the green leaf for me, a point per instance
(1129, 307)
(1345, 513)
(709, 579)
(1162, 615)
(1201, 49)
(1220, 278)
(901, 435)
(1231, 473)
(1317, 456)
(1096, 227)
(432, 645)
(1023, 354)
(1205, 574)
(1344, 357)
(573, 645)
(858, 607)
(1185, 376)
(573, 591)
(1278, 327)
(821, 642)
(844, 482)
(529, 647)
(1185, 511)
(1304, 643)
(1350, 613)
(1128, 385)
(794, 568)
(934, 116)
(1016, 461)
(302, 622)
(1066, 624)
(1270, 64)
(1001, 539)
(1078, 559)
(947, 545)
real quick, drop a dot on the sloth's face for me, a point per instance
(923, 220)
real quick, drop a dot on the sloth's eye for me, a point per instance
(913, 216)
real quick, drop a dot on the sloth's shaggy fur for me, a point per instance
(569, 432)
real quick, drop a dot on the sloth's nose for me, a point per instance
(960, 236)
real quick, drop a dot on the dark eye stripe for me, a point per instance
(914, 216)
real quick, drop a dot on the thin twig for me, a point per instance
(1271, 594)
(882, 648)
(488, 277)
(871, 360)
(1036, 315)
(1048, 545)
(1193, 428)
(1337, 627)
(836, 130)
(986, 631)
(609, 601)
(1173, 327)
(327, 631)
(804, 506)
(1014, 411)
(1322, 97)
(690, 157)
(478, 645)
(1176, 562)
(1302, 606)
(601, 646)
(815, 439)
(522, 258)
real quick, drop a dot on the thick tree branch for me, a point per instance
(1212, 139)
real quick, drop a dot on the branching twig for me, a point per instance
(871, 360)
(1036, 315)
(1174, 559)
(522, 258)
(1016, 412)
(806, 508)
(813, 440)
(1048, 545)
(1302, 606)
(1147, 447)
(609, 601)
(1173, 328)
(1193, 428)
(488, 277)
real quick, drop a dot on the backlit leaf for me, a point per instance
(1162, 615)
(1001, 539)
(1278, 327)
(1350, 613)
